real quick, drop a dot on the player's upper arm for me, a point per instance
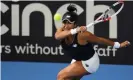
(91, 37)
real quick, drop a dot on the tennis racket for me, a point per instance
(112, 11)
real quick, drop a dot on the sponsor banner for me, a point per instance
(28, 28)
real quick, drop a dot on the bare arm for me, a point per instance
(60, 34)
(92, 38)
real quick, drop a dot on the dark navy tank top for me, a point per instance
(77, 51)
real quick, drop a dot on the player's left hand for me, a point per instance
(125, 44)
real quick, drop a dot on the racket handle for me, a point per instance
(89, 25)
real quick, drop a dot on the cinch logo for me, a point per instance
(91, 11)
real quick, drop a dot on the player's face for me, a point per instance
(68, 25)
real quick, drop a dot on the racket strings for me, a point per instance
(111, 11)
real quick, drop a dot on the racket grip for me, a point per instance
(89, 25)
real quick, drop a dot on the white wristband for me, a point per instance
(73, 31)
(116, 45)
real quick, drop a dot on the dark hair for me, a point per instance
(72, 8)
(70, 15)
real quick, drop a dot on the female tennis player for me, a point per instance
(76, 43)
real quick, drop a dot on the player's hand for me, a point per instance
(124, 44)
(81, 29)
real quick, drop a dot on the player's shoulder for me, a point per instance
(85, 34)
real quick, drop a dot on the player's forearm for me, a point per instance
(63, 34)
(106, 41)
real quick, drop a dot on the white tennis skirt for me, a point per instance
(91, 65)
